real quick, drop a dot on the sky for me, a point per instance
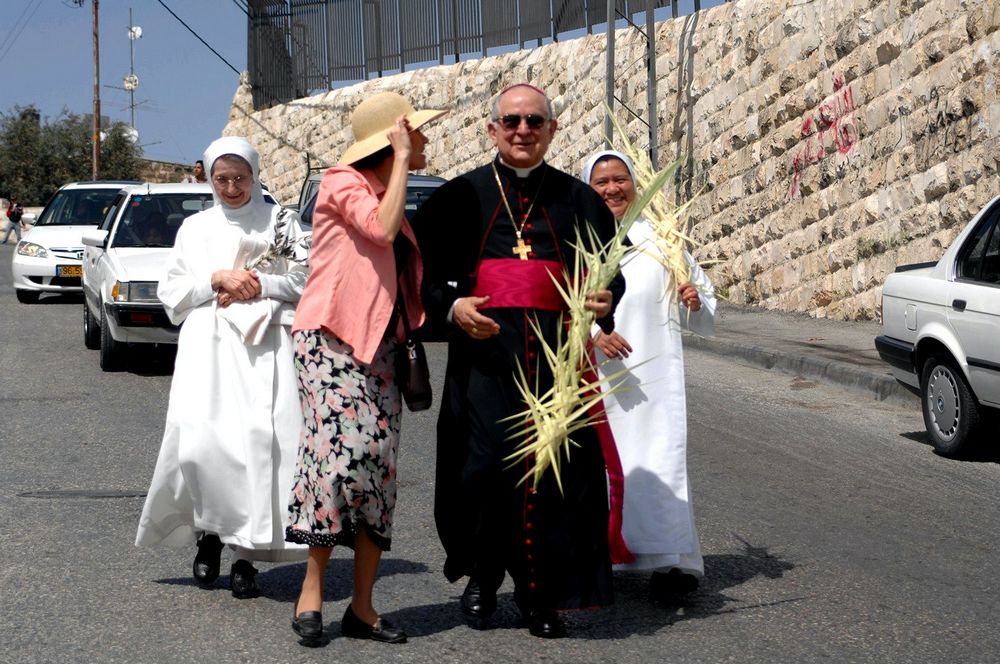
(184, 93)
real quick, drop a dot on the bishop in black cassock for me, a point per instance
(499, 231)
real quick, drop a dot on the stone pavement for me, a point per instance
(818, 348)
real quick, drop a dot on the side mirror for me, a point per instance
(95, 238)
(29, 218)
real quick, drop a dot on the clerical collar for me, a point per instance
(520, 172)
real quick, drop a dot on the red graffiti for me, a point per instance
(834, 119)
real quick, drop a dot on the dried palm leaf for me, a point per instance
(546, 426)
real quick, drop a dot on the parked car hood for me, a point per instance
(57, 236)
(140, 263)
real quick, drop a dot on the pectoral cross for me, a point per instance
(521, 249)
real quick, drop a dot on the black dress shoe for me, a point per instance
(383, 630)
(243, 580)
(477, 606)
(545, 624)
(309, 626)
(667, 586)
(206, 561)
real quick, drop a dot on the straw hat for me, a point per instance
(374, 117)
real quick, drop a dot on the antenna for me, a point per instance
(131, 82)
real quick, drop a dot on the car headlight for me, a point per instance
(31, 249)
(134, 291)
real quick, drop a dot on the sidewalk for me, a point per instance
(834, 351)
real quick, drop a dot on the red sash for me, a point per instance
(616, 477)
(513, 283)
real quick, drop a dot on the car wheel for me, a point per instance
(26, 296)
(91, 332)
(951, 413)
(111, 350)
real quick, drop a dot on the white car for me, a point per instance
(47, 259)
(941, 335)
(122, 262)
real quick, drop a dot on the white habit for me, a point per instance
(649, 418)
(231, 437)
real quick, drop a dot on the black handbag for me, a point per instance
(412, 374)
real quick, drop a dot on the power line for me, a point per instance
(181, 21)
(10, 44)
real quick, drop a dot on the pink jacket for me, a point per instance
(352, 282)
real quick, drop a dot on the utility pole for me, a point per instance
(95, 169)
(609, 75)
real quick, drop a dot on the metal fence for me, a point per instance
(300, 47)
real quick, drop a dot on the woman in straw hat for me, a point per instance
(364, 261)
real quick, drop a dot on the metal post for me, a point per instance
(652, 113)
(609, 75)
(95, 167)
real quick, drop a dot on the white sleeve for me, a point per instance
(183, 286)
(701, 322)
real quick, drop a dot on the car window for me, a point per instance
(991, 257)
(109, 218)
(152, 220)
(85, 207)
(978, 258)
(416, 194)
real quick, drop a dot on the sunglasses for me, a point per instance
(512, 121)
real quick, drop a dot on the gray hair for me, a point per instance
(495, 105)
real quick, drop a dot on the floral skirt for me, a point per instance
(346, 474)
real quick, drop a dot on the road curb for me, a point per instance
(882, 387)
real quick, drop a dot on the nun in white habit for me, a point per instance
(231, 437)
(649, 417)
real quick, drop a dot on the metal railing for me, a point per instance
(300, 47)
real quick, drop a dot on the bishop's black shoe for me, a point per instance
(477, 606)
(545, 624)
(243, 580)
(206, 563)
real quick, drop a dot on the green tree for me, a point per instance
(37, 158)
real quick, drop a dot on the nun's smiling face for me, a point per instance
(231, 180)
(611, 179)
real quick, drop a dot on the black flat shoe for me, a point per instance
(206, 562)
(383, 630)
(545, 624)
(243, 581)
(666, 586)
(477, 606)
(309, 627)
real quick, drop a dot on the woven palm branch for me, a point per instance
(545, 428)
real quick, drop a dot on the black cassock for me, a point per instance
(554, 545)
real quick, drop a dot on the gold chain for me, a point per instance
(503, 197)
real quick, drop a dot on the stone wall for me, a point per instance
(825, 141)
(163, 171)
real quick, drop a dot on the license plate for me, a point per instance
(69, 271)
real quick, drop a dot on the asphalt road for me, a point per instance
(831, 532)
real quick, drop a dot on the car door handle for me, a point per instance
(958, 305)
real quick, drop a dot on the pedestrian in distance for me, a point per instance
(365, 272)
(649, 418)
(197, 176)
(491, 238)
(233, 422)
(15, 223)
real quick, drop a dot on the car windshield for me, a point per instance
(152, 220)
(77, 207)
